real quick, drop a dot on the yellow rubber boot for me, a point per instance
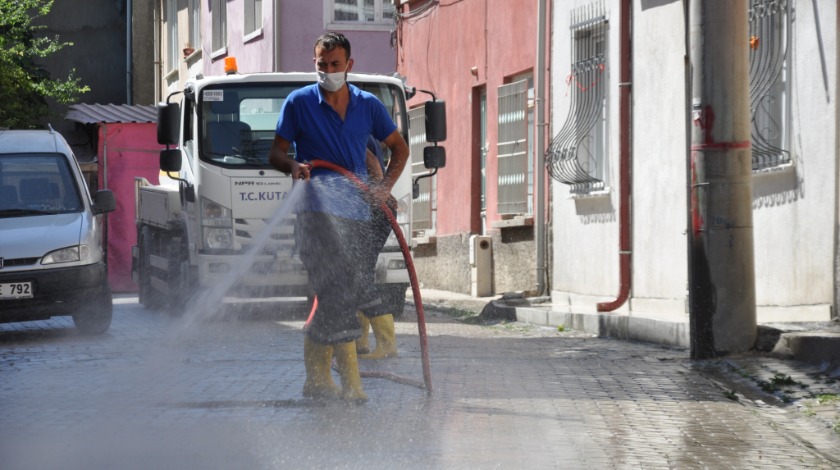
(348, 369)
(362, 344)
(386, 341)
(319, 382)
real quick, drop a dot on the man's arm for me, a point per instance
(374, 169)
(278, 157)
(396, 165)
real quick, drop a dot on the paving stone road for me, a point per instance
(166, 392)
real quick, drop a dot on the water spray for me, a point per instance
(415, 288)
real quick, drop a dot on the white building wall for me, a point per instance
(585, 229)
(659, 154)
(794, 208)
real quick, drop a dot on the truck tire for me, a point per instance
(177, 277)
(95, 319)
(148, 296)
(393, 296)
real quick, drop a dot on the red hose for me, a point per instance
(412, 275)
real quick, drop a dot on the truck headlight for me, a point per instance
(216, 225)
(67, 255)
(218, 238)
(214, 214)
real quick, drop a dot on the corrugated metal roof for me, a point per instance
(109, 113)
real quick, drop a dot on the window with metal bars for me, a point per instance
(424, 206)
(577, 155)
(770, 82)
(515, 162)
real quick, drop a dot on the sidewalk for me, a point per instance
(814, 343)
(795, 366)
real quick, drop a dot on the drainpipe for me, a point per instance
(276, 41)
(624, 161)
(128, 53)
(835, 310)
(104, 138)
(156, 32)
(539, 167)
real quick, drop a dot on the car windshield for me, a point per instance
(238, 121)
(33, 184)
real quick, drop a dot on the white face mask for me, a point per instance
(331, 81)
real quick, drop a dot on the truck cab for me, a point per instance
(215, 218)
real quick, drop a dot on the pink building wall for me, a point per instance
(438, 52)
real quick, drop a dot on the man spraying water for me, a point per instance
(332, 121)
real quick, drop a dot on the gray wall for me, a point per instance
(97, 29)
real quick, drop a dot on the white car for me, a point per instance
(52, 258)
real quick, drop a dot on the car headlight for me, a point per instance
(67, 255)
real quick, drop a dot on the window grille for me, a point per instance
(423, 206)
(578, 153)
(513, 148)
(769, 82)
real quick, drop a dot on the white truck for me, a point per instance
(221, 195)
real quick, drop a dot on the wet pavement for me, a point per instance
(163, 392)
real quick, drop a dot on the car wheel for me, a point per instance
(95, 318)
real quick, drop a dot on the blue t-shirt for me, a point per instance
(318, 133)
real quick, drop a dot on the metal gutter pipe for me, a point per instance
(276, 34)
(128, 52)
(539, 168)
(157, 35)
(624, 159)
(835, 310)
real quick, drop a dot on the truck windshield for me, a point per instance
(34, 184)
(237, 122)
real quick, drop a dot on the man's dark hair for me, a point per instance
(329, 41)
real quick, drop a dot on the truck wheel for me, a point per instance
(393, 296)
(95, 319)
(177, 277)
(148, 296)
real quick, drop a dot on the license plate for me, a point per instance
(16, 290)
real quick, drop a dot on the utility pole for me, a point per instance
(721, 260)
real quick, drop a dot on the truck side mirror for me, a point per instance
(168, 120)
(435, 121)
(170, 160)
(434, 157)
